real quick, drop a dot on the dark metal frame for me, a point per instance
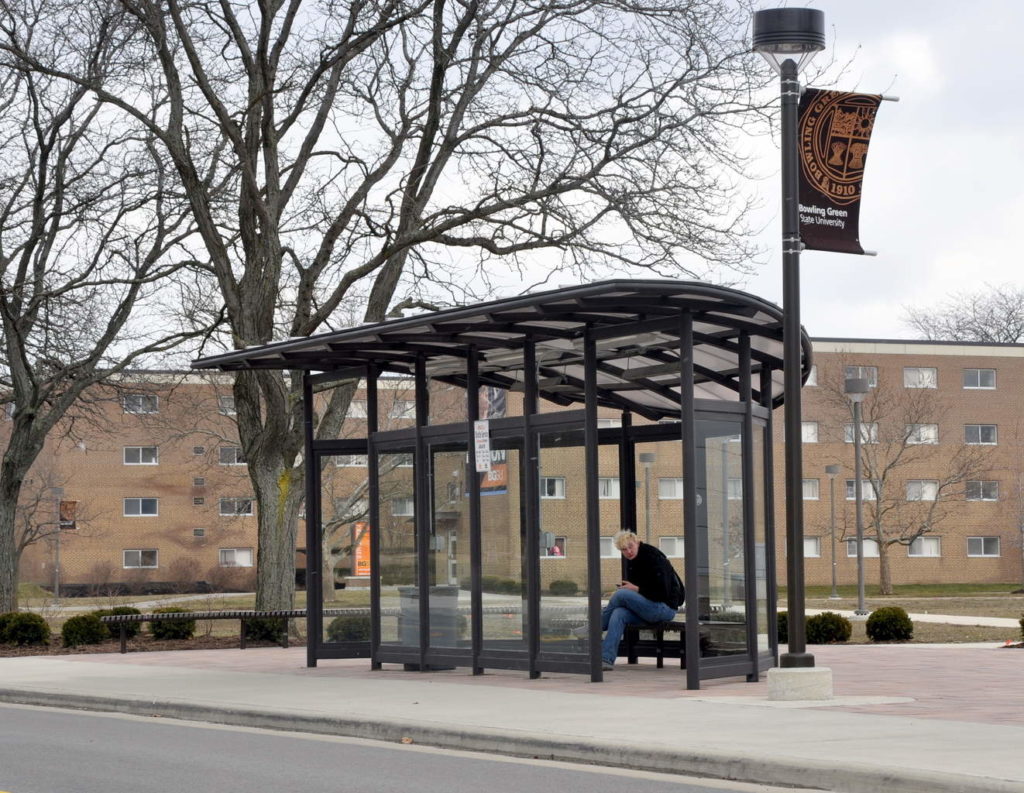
(700, 344)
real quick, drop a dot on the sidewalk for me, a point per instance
(905, 718)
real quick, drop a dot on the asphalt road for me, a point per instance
(46, 750)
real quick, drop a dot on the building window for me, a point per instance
(868, 432)
(552, 487)
(608, 487)
(980, 378)
(809, 431)
(608, 549)
(672, 547)
(135, 507)
(982, 490)
(869, 373)
(198, 532)
(198, 501)
(812, 547)
(199, 481)
(870, 548)
(608, 423)
(226, 405)
(404, 460)
(231, 455)
(922, 489)
(922, 433)
(140, 557)
(9, 408)
(670, 488)
(983, 546)
(925, 546)
(920, 377)
(401, 507)
(141, 455)
(402, 409)
(980, 434)
(197, 450)
(235, 557)
(141, 403)
(556, 551)
(351, 460)
(812, 378)
(356, 409)
(236, 506)
(811, 490)
(867, 490)
(734, 489)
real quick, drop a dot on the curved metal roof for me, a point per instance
(636, 325)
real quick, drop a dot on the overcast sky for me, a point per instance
(943, 200)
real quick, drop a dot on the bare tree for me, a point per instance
(87, 235)
(911, 479)
(343, 156)
(994, 314)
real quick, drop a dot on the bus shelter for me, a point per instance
(464, 515)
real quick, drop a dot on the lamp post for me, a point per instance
(58, 494)
(781, 35)
(647, 460)
(856, 388)
(832, 471)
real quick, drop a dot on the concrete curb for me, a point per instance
(851, 777)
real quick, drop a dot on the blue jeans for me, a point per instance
(627, 607)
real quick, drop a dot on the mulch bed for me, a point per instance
(141, 643)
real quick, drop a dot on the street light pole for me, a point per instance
(856, 388)
(780, 35)
(647, 459)
(58, 494)
(832, 471)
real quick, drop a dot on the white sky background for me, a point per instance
(943, 200)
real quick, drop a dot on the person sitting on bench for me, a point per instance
(650, 593)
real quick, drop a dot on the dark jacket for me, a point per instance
(653, 573)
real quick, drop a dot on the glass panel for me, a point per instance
(563, 542)
(720, 562)
(504, 617)
(449, 568)
(761, 549)
(399, 597)
(345, 543)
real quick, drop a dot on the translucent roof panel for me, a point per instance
(636, 325)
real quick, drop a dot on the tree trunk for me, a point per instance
(884, 573)
(327, 578)
(8, 555)
(277, 528)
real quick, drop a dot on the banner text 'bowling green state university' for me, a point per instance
(835, 129)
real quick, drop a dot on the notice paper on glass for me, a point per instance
(482, 444)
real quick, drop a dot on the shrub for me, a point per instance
(5, 620)
(131, 628)
(889, 624)
(564, 587)
(24, 628)
(172, 629)
(828, 628)
(782, 620)
(509, 586)
(84, 629)
(349, 628)
(1022, 626)
(265, 629)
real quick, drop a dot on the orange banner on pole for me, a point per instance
(361, 549)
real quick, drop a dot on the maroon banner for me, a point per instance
(835, 130)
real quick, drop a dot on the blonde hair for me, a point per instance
(622, 537)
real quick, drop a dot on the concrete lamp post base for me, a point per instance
(790, 684)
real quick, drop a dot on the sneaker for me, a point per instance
(607, 667)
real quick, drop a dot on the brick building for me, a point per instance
(154, 484)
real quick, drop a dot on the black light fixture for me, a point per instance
(788, 38)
